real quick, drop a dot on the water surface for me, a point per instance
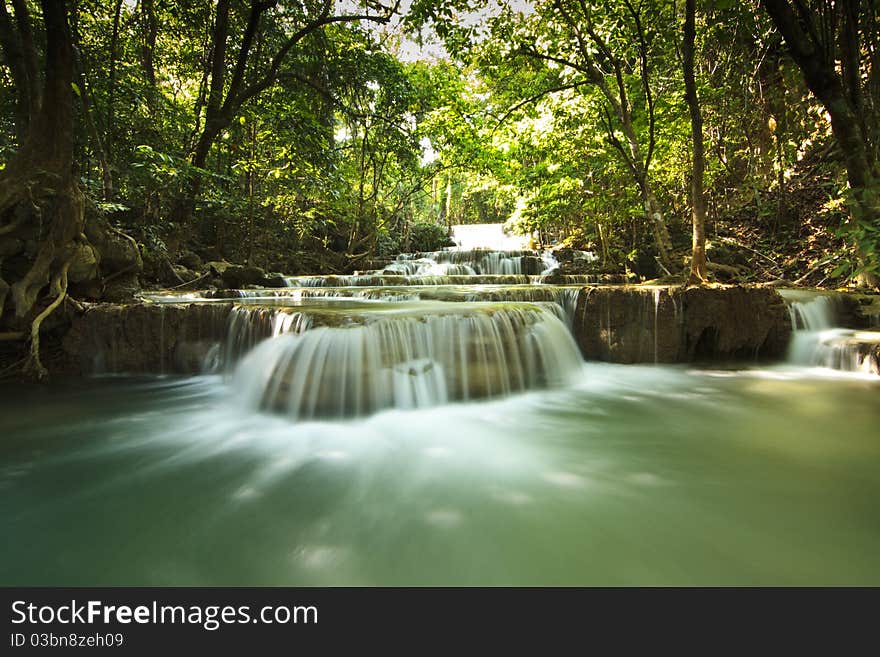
(631, 475)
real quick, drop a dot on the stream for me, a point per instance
(481, 451)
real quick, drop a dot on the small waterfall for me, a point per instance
(396, 279)
(408, 361)
(471, 262)
(816, 313)
(811, 315)
(487, 236)
(817, 342)
(248, 326)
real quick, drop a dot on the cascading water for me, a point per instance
(817, 342)
(250, 326)
(397, 279)
(425, 494)
(470, 262)
(471, 351)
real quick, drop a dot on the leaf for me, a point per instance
(75, 87)
(840, 270)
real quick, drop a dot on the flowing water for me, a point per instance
(441, 434)
(818, 342)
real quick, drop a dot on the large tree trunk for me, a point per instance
(111, 78)
(40, 194)
(809, 51)
(14, 46)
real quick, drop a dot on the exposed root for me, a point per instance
(65, 229)
(695, 280)
(59, 286)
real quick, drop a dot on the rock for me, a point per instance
(184, 274)
(122, 289)
(217, 267)
(84, 266)
(735, 322)
(275, 281)
(117, 252)
(532, 265)
(190, 260)
(144, 337)
(858, 310)
(195, 356)
(238, 276)
(672, 324)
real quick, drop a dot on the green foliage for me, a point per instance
(352, 152)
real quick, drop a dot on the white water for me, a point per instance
(471, 351)
(817, 341)
(470, 262)
(487, 236)
(595, 475)
(639, 476)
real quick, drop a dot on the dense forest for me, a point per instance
(146, 143)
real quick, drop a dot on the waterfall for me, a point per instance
(409, 361)
(488, 236)
(248, 326)
(470, 262)
(397, 279)
(817, 342)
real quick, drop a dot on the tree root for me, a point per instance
(65, 229)
(59, 285)
(195, 280)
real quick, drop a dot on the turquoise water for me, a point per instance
(630, 475)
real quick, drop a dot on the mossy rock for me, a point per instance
(238, 276)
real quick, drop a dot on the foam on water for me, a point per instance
(817, 341)
(477, 352)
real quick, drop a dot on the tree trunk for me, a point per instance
(823, 79)
(111, 78)
(39, 187)
(653, 211)
(11, 41)
(658, 225)
(698, 201)
(149, 34)
(47, 156)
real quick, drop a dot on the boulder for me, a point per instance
(532, 265)
(238, 276)
(275, 281)
(190, 260)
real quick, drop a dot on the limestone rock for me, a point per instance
(144, 337)
(672, 324)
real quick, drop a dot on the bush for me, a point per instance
(428, 237)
